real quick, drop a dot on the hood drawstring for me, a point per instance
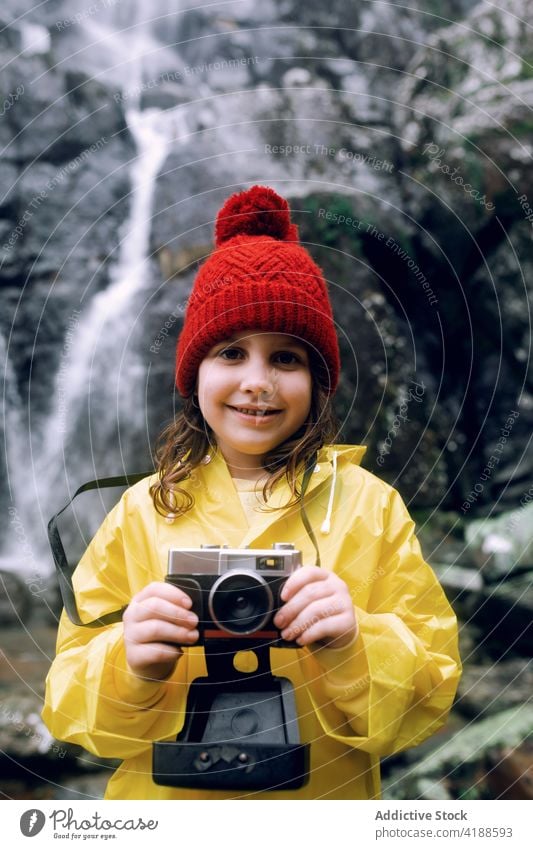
(326, 524)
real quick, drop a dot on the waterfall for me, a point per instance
(125, 41)
(101, 371)
(98, 405)
(19, 539)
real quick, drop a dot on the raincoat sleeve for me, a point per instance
(394, 686)
(92, 698)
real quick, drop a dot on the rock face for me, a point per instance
(428, 277)
(470, 148)
(463, 767)
(33, 765)
(503, 546)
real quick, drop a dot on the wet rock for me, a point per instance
(8, 186)
(464, 125)
(69, 219)
(441, 536)
(81, 787)
(23, 734)
(471, 643)
(484, 567)
(462, 587)
(432, 789)
(507, 612)
(511, 772)
(490, 687)
(179, 263)
(469, 65)
(503, 612)
(10, 38)
(503, 546)
(462, 763)
(15, 599)
(33, 764)
(66, 137)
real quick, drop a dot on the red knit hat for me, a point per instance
(260, 277)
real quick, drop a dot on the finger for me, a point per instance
(307, 595)
(159, 631)
(150, 654)
(321, 609)
(331, 629)
(164, 590)
(299, 579)
(160, 608)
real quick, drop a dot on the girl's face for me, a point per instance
(254, 391)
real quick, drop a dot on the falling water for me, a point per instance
(102, 369)
(98, 401)
(19, 538)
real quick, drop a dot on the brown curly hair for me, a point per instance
(184, 443)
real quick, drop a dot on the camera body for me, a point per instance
(241, 729)
(235, 591)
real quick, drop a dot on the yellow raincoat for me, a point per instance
(389, 690)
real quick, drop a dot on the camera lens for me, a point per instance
(240, 602)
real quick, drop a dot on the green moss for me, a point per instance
(506, 728)
(471, 794)
(331, 233)
(522, 128)
(527, 69)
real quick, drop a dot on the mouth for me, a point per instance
(255, 412)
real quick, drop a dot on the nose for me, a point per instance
(258, 378)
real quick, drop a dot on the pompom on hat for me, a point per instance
(258, 277)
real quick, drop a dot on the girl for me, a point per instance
(376, 664)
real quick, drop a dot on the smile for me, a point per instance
(255, 413)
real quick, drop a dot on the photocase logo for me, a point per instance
(32, 822)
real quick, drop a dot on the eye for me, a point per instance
(230, 353)
(288, 358)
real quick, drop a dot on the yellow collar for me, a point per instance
(217, 486)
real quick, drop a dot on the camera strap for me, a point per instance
(64, 571)
(309, 469)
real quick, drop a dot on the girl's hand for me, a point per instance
(157, 620)
(318, 606)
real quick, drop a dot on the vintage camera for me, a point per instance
(235, 591)
(240, 729)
